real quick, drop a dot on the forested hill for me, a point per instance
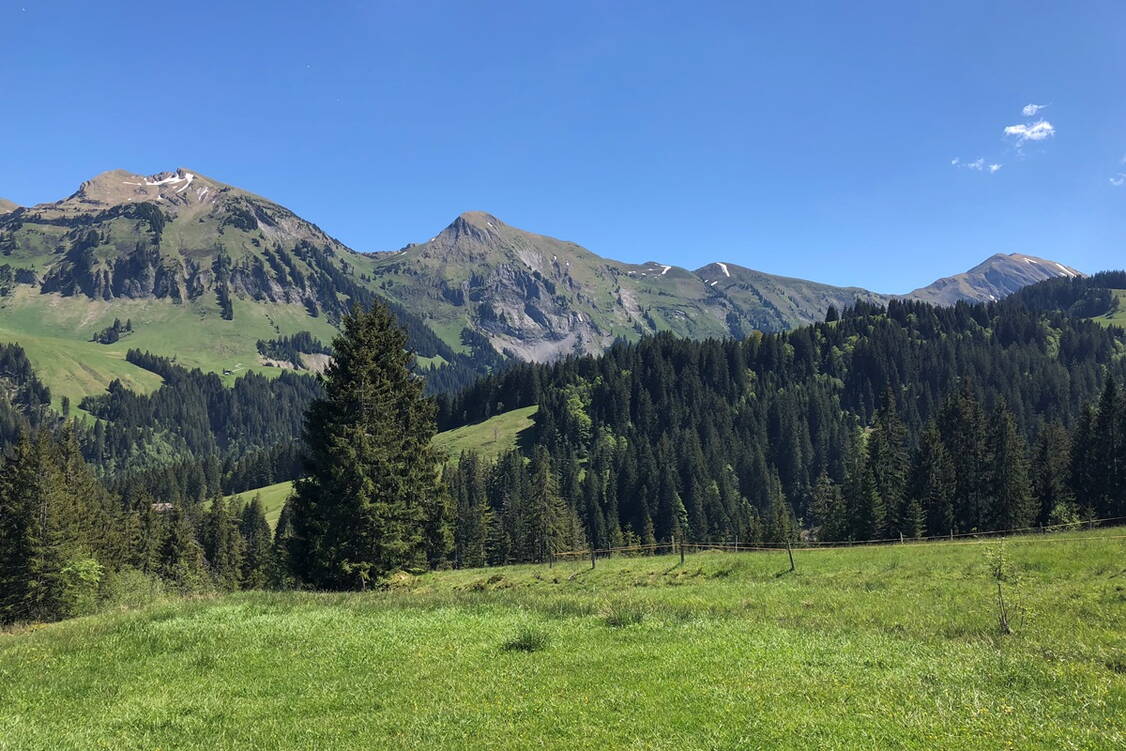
(731, 431)
(905, 419)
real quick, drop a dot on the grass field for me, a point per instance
(489, 438)
(272, 496)
(892, 647)
(55, 332)
(1118, 316)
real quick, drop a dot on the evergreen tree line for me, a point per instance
(25, 401)
(659, 440)
(290, 348)
(717, 441)
(973, 470)
(112, 334)
(65, 540)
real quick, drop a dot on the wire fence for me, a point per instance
(1040, 533)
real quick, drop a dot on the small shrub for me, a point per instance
(1005, 575)
(528, 639)
(130, 588)
(78, 586)
(621, 615)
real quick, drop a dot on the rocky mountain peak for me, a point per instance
(179, 187)
(994, 278)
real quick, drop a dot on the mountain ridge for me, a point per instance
(179, 245)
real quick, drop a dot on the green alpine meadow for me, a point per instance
(562, 376)
(895, 647)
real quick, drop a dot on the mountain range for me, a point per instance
(203, 271)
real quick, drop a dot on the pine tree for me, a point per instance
(56, 531)
(359, 512)
(547, 526)
(181, 559)
(778, 519)
(1084, 474)
(1010, 499)
(223, 544)
(963, 430)
(932, 484)
(472, 521)
(829, 509)
(257, 545)
(281, 571)
(438, 527)
(1108, 444)
(1050, 486)
(889, 463)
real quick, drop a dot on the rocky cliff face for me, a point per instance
(540, 298)
(176, 235)
(478, 284)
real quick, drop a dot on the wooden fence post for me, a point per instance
(790, 552)
(682, 551)
(592, 556)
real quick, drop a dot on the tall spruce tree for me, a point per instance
(223, 544)
(1108, 452)
(1054, 499)
(359, 513)
(57, 530)
(889, 462)
(1010, 503)
(546, 528)
(932, 484)
(181, 559)
(829, 509)
(257, 545)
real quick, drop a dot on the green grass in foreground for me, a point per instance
(893, 647)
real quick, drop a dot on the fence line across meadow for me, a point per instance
(1021, 534)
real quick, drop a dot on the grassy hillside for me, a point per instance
(1117, 317)
(55, 331)
(893, 647)
(272, 496)
(489, 438)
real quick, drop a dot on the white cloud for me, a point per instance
(1030, 110)
(977, 165)
(1118, 180)
(1037, 131)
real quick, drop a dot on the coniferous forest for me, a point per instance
(883, 422)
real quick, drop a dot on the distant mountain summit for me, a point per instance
(998, 276)
(176, 235)
(6, 206)
(189, 246)
(539, 298)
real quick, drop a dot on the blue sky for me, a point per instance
(810, 139)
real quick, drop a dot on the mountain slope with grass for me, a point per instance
(205, 270)
(202, 269)
(884, 647)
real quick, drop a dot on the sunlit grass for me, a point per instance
(894, 647)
